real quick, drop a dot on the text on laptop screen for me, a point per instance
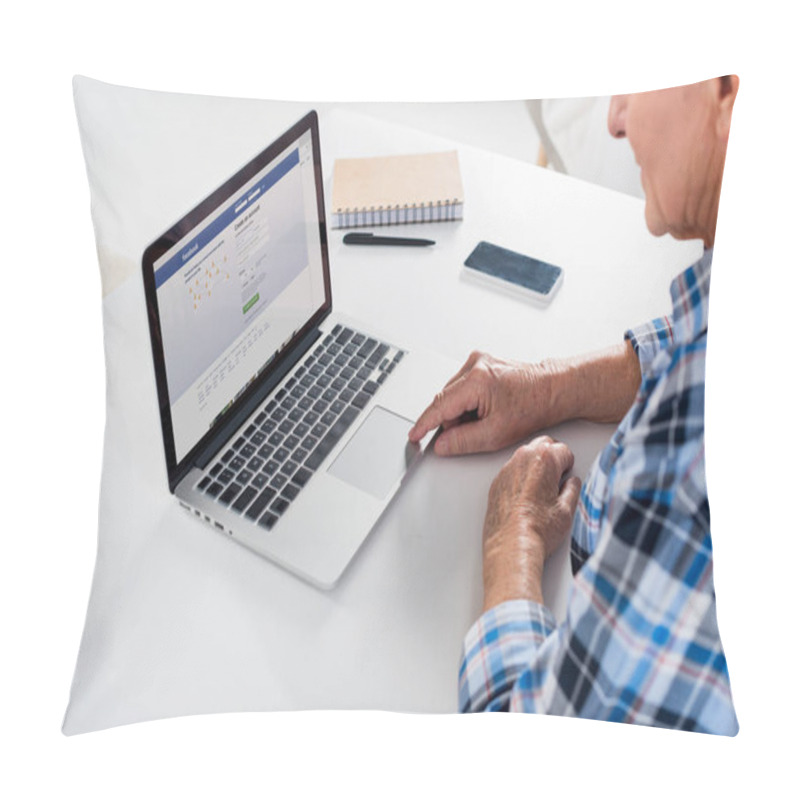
(234, 290)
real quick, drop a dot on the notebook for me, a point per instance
(392, 190)
(284, 424)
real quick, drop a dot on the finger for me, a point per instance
(457, 440)
(562, 456)
(553, 453)
(570, 493)
(466, 367)
(469, 416)
(448, 405)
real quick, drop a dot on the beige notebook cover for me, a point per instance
(365, 184)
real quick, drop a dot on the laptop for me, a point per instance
(284, 424)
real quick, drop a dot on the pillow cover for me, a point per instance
(179, 621)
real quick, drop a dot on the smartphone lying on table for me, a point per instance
(512, 271)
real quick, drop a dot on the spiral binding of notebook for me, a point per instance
(399, 215)
(397, 190)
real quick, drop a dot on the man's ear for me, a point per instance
(727, 89)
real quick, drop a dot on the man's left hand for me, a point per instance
(529, 515)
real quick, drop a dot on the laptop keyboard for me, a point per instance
(272, 459)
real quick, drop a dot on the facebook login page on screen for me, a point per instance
(236, 288)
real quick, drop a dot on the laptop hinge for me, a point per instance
(235, 422)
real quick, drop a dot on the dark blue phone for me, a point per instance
(509, 269)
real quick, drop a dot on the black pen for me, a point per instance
(370, 238)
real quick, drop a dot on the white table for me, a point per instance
(207, 625)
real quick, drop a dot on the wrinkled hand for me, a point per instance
(529, 515)
(487, 405)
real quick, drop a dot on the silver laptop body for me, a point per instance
(249, 359)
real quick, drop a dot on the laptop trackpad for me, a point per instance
(378, 454)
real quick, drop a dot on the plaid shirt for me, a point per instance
(640, 641)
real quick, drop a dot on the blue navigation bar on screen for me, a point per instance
(242, 203)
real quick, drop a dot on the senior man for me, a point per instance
(640, 641)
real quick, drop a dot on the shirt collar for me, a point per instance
(690, 299)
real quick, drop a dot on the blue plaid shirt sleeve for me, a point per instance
(649, 339)
(499, 647)
(640, 641)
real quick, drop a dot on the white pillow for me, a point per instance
(176, 622)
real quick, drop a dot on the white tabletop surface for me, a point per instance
(208, 626)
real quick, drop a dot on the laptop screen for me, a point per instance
(234, 290)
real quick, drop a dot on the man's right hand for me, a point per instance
(487, 405)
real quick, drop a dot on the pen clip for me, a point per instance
(356, 237)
